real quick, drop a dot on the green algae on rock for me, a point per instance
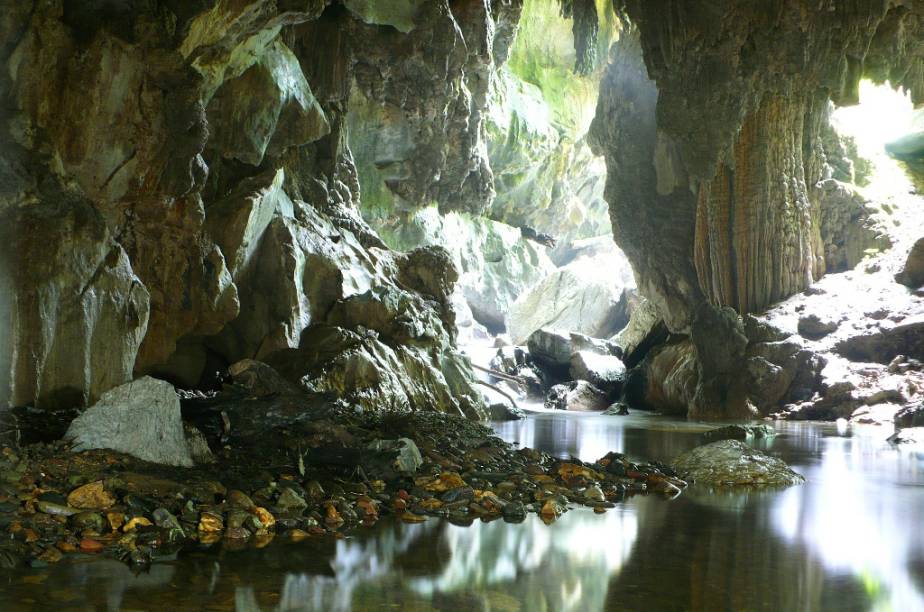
(733, 463)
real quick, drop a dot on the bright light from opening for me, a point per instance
(883, 114)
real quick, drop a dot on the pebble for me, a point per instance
(91, 496)
(211, 522)
(55, 509)
(88, 545)
(135, 522)
(89, 520)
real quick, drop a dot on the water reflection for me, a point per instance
(846, 540)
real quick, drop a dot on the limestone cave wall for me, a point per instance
(726, 129)
(721, 166)
(178, 191)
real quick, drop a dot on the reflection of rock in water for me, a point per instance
(564, 566)
(707, 559)
(118, 578)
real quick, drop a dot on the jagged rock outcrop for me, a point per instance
(849, 229)
(496, 264)
(190, 168)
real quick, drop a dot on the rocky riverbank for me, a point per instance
(291, 466)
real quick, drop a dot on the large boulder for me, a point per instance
(884, 344)
(579, 297)
(644, 330)
(912, 273)
(606, 372)
(733, 463)
(140, 418)
(665, 380)
(550, 348)
(911, 415)
(577, 396)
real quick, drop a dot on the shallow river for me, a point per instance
(851, 538)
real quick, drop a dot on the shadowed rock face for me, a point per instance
(177, 191)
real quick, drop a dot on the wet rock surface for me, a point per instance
(733, 463)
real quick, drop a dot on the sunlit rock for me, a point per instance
(581, 297)
(578, 396)
(496, 265)
(550, 347)
(849, 229)
(606, 372)
(912, 273)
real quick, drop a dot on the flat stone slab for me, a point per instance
(140, 418)
(732, 463)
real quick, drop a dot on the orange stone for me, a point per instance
(93, 496)
(90, 546)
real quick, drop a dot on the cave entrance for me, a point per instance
(875, 134)
(883, 116)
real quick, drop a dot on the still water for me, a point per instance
(850, 538)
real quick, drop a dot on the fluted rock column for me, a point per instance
(757, 239)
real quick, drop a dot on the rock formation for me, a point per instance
(179, 192)
(713, 122)
(184, 186)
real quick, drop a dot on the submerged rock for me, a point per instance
(504, 411)
(140, 418)
(733, 463)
